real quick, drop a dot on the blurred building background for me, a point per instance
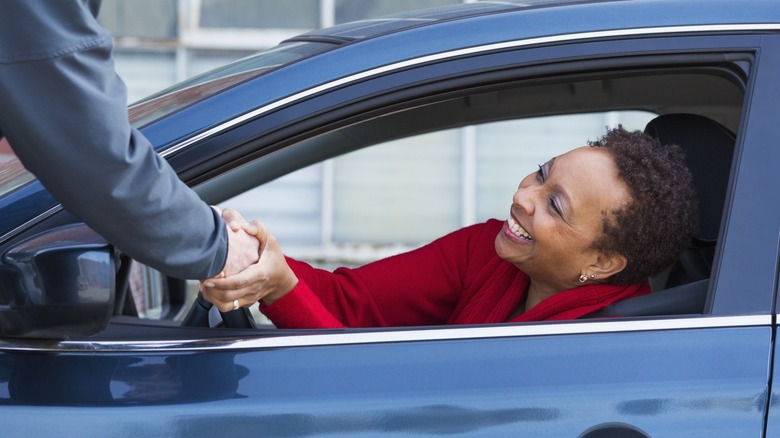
(364, 205)
(161, 42)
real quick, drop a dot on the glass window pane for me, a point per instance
(288, 14)
(351, 10)
(219, 74)
(405, 191)
(201, 61)
(12, 173)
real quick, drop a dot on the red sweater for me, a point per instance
(457, 279)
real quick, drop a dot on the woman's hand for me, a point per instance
(243, 248)
(269, 279)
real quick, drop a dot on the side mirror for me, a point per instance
(57, 284)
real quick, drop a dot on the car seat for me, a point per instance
(708, 147)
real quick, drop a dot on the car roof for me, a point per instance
(364, 45)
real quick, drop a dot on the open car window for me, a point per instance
(335, 212)
(428, 193)
(451, 161)
(437, 182)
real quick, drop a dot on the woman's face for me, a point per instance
(556, 215)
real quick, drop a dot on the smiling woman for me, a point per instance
(560, 255)
(557, 214)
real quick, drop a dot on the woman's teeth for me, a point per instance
(517, 230)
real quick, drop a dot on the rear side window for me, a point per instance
(210, 83)
(12, 173)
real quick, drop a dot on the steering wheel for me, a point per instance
(198, 316)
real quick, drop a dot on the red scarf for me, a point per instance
(568, 304)
(581, 301)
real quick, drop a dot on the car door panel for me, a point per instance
(667, 383)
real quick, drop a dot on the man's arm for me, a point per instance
(64, 110)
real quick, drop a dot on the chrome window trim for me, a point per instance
(467, 51)
(261, 342)
(29, 223)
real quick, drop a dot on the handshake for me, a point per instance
(255, 269)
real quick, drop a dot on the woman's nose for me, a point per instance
(524, 199)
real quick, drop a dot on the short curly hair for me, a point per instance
(657, 224)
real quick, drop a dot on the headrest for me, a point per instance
(708, 147)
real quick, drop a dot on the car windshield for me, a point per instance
(12, 173)
(207, 84)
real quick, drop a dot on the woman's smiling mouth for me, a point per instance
(517, 230)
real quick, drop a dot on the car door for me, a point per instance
(671, 376)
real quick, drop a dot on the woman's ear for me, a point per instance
(607, 266)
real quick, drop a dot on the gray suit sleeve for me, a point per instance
(64, 110)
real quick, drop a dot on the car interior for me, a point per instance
(709, 148)
(698, 107)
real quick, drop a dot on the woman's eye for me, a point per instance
(554, 206)
(540, 173)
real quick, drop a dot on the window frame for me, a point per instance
(316, 125)
(272, 132)
(279, 139)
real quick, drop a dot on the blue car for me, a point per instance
(82, 355)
